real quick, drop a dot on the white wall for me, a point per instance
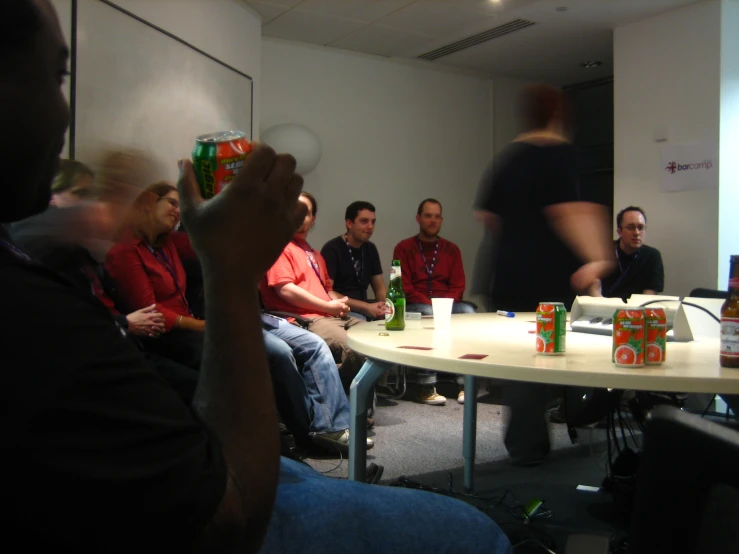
(728, 243)
(225, 29)
(506, 124)
(667, 74)
(393, 133)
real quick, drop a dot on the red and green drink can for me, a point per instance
(551, 328)
(217, 158)
(629, 337)
(656, 335)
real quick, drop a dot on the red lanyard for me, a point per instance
(429, 271)
(311, 256)
(163, 259)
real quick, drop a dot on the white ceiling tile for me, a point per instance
(267, 11)
(437, 19)
(358, 10)
(383, 41)
(550, 50)
(310, 27)
(499, 7)
(281, 3)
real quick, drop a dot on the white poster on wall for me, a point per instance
(689, 166)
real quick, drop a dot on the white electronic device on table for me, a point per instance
(591, 314)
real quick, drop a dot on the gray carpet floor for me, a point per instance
(423, 444)
(412, 438)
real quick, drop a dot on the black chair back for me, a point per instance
(708, 293)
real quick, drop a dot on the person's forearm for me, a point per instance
(293, 294)
(359, 306)
(584, 227)
(235, 391)
(190, 324)
(380, 291)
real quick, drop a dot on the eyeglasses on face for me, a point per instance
(631, 228)
(174, 203)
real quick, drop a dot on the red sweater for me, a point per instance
(447, 278)
(143, 277)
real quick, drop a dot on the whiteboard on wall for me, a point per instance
(138, 86)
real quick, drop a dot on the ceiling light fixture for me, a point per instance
(590, 64)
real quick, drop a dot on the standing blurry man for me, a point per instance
(550, 244)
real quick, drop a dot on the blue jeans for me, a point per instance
(308, 389)
(427, 309)
(318, 514)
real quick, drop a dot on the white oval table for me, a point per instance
(507, 345)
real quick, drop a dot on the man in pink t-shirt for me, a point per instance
(298, 283)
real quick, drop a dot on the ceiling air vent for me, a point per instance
(479, 38)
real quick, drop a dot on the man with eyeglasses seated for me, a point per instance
(639, 269)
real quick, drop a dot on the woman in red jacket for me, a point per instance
(147, 268)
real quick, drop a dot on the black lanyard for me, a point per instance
(622, 272)
(14, 250)
(311, 256)
(429, 270)
(359, 272)
(163, 259)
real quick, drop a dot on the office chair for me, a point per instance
(687, 489)
(708, 293)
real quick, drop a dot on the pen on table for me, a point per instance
(506, 314)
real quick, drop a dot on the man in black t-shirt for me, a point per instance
(550, 244)
(640, 269)
(353, 262)
(99, 453)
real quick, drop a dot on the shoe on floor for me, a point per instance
(337, 441)
(428, 395)
(460, 397)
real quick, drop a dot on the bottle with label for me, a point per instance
(730, 320)
(395, 300)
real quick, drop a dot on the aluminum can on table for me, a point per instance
(551, 328)
(629, 337)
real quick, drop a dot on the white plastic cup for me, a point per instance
(442, 312)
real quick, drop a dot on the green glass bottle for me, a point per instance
(395, 300)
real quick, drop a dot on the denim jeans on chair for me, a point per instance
(427, 309)
(318, 514)
(307, 381)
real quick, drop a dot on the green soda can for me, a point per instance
(217, 157)
(551, 328)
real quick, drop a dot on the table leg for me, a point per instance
(469, 431)
(360, 399)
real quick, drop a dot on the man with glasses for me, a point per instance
(639, 269)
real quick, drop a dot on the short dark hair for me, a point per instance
(432, 200)
(538, 104)
(620, 215)
(313, 203)
(20, 22)
(69, 172)
(353, 209)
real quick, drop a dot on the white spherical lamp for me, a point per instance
(298, 140)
